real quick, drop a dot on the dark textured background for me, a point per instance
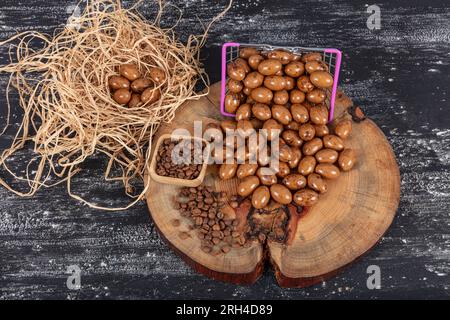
(399, 74)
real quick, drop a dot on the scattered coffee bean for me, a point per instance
(185, 167)
(234, 204)
(212, 217)
(183, 235)
(226, 249)
(176, 223)
(206, 249)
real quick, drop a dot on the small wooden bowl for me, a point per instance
(177, 181)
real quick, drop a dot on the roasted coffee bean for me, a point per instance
(206, 249)
(183, 235)
(216, 234)
(234, 204)
(176, 223)
(226, 249)
(199, 221)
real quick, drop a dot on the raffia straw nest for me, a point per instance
(69, 113)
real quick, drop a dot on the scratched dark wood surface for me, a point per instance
(399, 74)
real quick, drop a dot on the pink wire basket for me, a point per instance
(332, 57)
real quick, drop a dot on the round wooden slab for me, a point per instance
(348, 220)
